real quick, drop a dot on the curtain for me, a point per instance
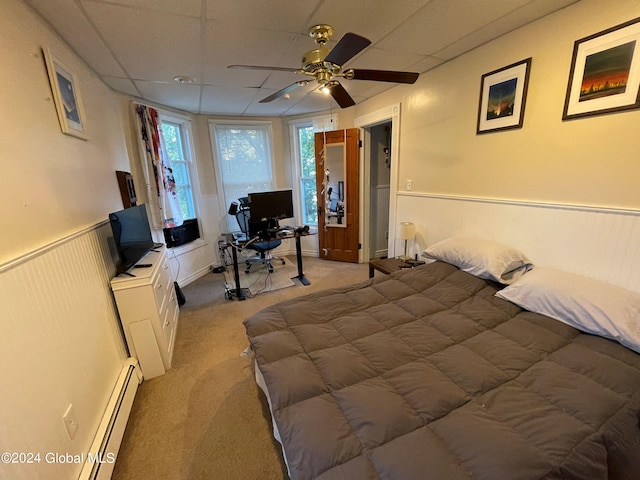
(161, 185)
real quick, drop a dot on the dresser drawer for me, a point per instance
(162, 286)
(169, 328)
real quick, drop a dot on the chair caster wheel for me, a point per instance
(271, 270)
(247, 270)
(283, 262)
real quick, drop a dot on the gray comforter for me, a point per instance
(425, 374)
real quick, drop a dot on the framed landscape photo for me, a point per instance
(66, 96)
(503, 95)
(605, 72)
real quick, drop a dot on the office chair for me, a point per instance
(263, 248)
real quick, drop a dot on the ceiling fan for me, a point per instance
(325, 65)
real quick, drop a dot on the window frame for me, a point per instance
(186, 138)
(221, 122)
(319, 124)
(294, 129)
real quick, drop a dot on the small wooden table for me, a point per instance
(385, 265)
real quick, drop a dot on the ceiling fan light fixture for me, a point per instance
(324, 65)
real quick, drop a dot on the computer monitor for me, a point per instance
(271, 205)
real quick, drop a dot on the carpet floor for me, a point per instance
(259, 280)
(206, 418)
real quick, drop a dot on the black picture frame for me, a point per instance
(605, 72)
(503, 96)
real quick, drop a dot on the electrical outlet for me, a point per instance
(409, 184)
(70, 422)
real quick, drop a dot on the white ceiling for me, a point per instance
(138, 46)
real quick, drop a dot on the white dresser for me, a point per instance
(149, 312)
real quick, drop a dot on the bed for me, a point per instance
(427, 374)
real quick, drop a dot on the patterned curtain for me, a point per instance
(161, 186)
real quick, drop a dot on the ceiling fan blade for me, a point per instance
(381, 75)
(258, 67)
(284, 91)
(348, 46)
(340, 95)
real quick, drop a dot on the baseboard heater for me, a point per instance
(111, 430)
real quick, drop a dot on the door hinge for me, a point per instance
(359, 246)
(360, 143)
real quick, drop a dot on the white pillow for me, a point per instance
(584, 303)
(482, 258)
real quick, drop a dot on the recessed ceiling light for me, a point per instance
(184, 79)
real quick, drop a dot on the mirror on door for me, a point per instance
(334, 185)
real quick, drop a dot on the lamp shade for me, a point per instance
(407, 230)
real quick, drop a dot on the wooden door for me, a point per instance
(337, 187)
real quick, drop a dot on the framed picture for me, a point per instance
(64, 86)
(605, 72)
(503, 95)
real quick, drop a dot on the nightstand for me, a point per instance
(385, 265)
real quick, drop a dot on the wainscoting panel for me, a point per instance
(60, 344)
(602, 243)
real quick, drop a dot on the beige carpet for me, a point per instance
(205, 418)
(259, 280)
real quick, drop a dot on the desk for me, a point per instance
(240, 243)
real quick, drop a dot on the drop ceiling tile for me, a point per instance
(226, 101)
(426, 64)
(226, 77)
(276, 108)
(182, 7)
(443, 22)
(122, 85)
(366, 88)
(372, 21)
(226, 45)
(278, 80)
(313, 102)
(72, 25)
(250, 14)
(150, 45)
(183, 97)
(509, 22)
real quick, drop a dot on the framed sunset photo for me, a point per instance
(605, 72)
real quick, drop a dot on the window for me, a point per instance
(303, 145)
(244, 161)
(176, 141)
(305, 153)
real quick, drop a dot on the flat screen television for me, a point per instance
(271, 205)
(131, 235)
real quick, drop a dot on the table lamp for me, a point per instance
(407, 232)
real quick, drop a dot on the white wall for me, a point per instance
(584, 162)
(59, 338)
(54, 183)
(591, 161)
